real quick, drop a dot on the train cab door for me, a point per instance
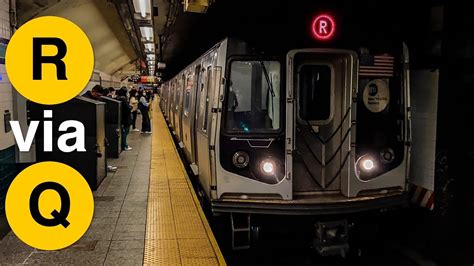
(172, 103)
(319, 87)
(189, 107)
(201, 127)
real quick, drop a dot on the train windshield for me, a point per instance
(253, 102)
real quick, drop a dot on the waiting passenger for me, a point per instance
(134, 104)
(126, 116)
(111, 92)
(95, 93)
(144, 107)
(150, 96)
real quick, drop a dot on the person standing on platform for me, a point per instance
(149, 96)
(95, 93)
(111, 93)
(134, 104)
(126, 110)
(144, 107)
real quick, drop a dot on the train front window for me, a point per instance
(253, 101)
(314, 99)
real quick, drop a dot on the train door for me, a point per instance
(178, 108)
(163, 99)
(172, 103)
(201, 125)
(167, 101)
(188, 116)
(319, 118)
(194, 118)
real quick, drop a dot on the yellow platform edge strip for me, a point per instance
(210, 234)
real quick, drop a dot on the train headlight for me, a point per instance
(267, 167)
(366, 164)
(240, 159)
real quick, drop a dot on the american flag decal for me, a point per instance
(376, 66)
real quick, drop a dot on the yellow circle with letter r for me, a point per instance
(49, 60)
(49, 206)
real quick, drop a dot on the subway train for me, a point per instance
(317, 131)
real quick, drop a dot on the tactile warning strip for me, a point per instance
(177, 232)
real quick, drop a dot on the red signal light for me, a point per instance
(323, 27)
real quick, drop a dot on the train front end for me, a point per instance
(326, 131)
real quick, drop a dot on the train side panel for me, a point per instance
(191, 99)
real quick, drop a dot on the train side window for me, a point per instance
(187, 100)
(315, 90)
(206, 110)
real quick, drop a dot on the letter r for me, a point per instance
(322, 27)
(39, 59)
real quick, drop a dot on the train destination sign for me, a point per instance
(323, 27)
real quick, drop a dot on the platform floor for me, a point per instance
(177, 232)
(145, 213)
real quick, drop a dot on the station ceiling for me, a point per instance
(100, 22)
(274, 24)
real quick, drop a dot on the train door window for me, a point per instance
(187, 95)
(206, 109)
(315, 94)
(253, 101)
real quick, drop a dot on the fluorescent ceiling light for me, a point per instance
(150, 46)
(147, 33)
(150, 56)
(142, 7)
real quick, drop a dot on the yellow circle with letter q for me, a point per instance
(49, 60)
(49, 206)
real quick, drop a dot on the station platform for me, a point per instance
(146, 213)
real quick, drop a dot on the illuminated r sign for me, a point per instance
(323, 27)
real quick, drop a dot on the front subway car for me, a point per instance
(319, 133)
(325, 131)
